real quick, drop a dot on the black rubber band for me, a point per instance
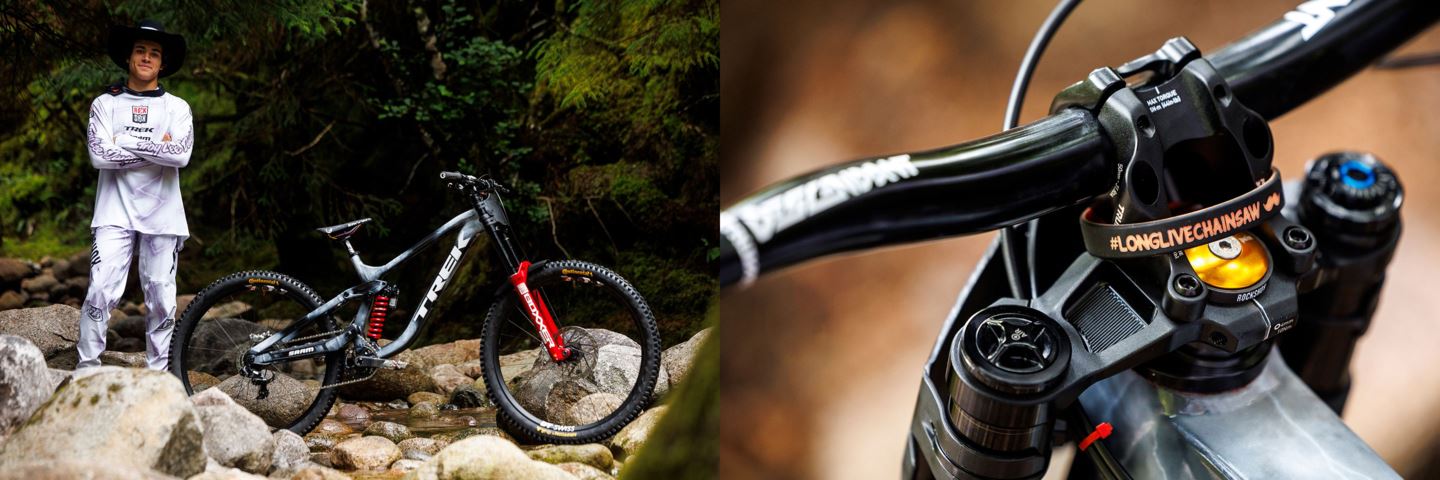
(1134, 240)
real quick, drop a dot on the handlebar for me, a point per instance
(482, 184)
(1044, 166)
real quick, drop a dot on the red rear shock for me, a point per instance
(379, 308)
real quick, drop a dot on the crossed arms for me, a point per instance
(111, 151)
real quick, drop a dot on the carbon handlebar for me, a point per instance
(1044, 166)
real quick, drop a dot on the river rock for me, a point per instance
(24, 382)
(584, 472)
(467, 396)
(677, 359)
(234, 437)
(471, 368)
(390, 430)
(39, 283)
(447, 378)
(431, 397)
(364, 453)
(132, 327)
(634, 435)
(452, 437)
(289, 398)
(115, 416)
(11, 299)
(594, 407)
(592, 454)
(322, 442)
(57, 377)
(333, 427)
(424, 410)
(216, 471)
(405, 465)
(290, 455)
(53, 329)
(13, 270)
(354, 412)
(612, 366)
(420, 448)
(485, 456)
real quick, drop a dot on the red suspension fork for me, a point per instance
(539, 314)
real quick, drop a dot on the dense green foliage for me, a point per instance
(602, 115)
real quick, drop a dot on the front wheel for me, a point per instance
(608, 378)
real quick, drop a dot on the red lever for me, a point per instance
(1101, 431)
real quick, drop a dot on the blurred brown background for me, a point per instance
(822, 362)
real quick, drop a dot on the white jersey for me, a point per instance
(139, 187)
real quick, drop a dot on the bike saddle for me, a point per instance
(344, 230)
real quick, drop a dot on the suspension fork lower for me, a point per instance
(539, 314)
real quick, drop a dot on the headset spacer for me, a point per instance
(1135, 240)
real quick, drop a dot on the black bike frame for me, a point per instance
(1057, 161)
(487, 212)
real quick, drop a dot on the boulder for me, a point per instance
(633, 436)
(53, 329)
(467, 396)
(11, 299)
(611, 365)
(115, 416)
(57, 377)
(233, 310)
(471, 368)
(132, 327)
(594, 407)
(13, 270)
(390, 430)
(364, 453)
(390, 384)
(234, 437)
(288, 400)
(60, 268)
(66, 360)
(592, 454)
(290, 455)
(448, 377)
(77, 468)
(484, 456)
(216, 471)
(25, 382)
(420, 448)
(515, 364)
(676, 360)
(217, 344)
(452, 437)
(199, 381)
(39, 283)
(457, 352)
(585, 472)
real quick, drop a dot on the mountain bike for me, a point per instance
(1157, 296)
(270, 342)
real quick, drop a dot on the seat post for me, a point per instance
(349, 248)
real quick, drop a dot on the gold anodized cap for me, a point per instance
(1231, 263)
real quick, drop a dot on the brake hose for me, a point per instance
(1010, 237)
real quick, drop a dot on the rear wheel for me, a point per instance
(232, 315)
(607, 381)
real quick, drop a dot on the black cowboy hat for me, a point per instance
(172, 46)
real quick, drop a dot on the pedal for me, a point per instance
(377, 362)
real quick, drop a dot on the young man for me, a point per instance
(139, 138)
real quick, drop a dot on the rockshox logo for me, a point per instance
(446, 271)
(775, 214)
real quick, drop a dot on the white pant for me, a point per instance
(109, 266)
